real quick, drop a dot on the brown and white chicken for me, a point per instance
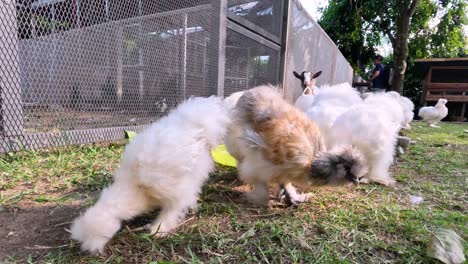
(274, 142)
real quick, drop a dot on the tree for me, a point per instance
(443, 40)
(404, 22)
(448, 39)
(343, 23)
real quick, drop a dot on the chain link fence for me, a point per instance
(77, 71)
(310, 49)
(82, 71)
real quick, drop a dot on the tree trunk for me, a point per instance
(400, 46)
(400, 54)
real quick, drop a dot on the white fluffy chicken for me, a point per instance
(163, 167)
(330, 102)
(433, 114)
(406, 107)
(372, 128)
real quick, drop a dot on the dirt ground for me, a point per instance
(68, 119)
(33, 230)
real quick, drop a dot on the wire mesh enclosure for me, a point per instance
(248, 63)
(81, 71)
(310, 49)
(126, 71)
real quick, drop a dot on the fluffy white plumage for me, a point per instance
(329, 103)
(408, 108)
(232, 99)
(234, 130)
(342, 94)
(372, 127)
(304, 101)
(404, 113)
(163, 167)
(368, 129)
(433, 114)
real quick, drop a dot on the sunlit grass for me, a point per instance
(365, 224)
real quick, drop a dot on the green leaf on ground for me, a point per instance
(130, 134)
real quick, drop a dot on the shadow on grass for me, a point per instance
(36, 226)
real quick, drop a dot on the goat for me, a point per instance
(307, 80)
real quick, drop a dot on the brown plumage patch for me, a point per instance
(289, 143)
(290, 138)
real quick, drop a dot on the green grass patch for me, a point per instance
(364, 224)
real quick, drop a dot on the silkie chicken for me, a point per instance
(162, 167)
(433, 114)
(275, 142)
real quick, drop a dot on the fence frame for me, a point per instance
(11, 111)
(12, 134)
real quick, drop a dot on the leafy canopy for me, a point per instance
(359, 26)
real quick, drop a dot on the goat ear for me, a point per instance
(317, 74)
(297, 75)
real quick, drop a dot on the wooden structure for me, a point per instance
(362, 86)
(444, 78)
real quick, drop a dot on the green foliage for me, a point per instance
(358, 26)
(342, 21)
(48, 25)
(445, 40)
(449, 39)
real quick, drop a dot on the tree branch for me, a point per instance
(391, 37)
(386, 31)
(412, 7)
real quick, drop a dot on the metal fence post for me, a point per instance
(184, 57)
(218, 36)
(11, 114)
(284, 42)
(119, 62)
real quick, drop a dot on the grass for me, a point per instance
(365, 224)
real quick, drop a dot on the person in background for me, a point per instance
(377, 78)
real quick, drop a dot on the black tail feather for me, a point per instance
(338, 166)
